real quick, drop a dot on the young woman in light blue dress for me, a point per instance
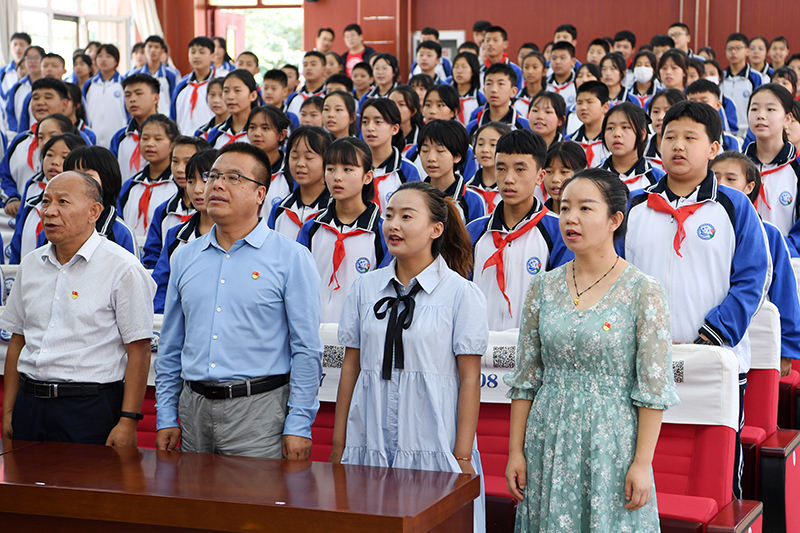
(414, 333)
(593, 376)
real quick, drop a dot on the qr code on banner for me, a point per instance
(677, 370)
(504, 356)
(333, 356)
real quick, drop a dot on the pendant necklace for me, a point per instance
(577, 299)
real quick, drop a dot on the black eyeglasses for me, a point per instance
(231, 178)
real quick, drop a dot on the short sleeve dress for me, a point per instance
(587, 372)
(410, 420)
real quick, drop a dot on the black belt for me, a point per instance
(45, 389)
(238, 389)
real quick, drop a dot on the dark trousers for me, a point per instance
(83, 420)
(738, 460)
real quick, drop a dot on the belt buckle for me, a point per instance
(230, 390)
(45, 390)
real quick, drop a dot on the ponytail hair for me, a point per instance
(454, 244)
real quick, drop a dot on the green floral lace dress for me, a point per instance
(587, 372)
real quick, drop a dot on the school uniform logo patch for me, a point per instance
(363, 265)
(9, 285)
(5, 336)
(570, 100)
(785, 198)
(276, 200)
(388, 195)
(154, 341)
(534, 266)
(706, 232)
(12, 223)
(117, 94)
(7, 251)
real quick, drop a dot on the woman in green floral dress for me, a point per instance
(593, 376)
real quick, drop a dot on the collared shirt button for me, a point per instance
(52, 325)
(63, 271)
(214, 337)
(213, 365)
(58, 298)
(222, 281)
(227, 256)
(219, 309)
(44, 351)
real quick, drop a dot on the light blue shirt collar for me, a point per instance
(428, 278)
(255, 238)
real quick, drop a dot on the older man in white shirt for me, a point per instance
(81, 318)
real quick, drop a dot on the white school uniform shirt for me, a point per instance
(470, 102)
(363, 253)
(653, 154)
(523, 258)
(596, 153)
(105, 107)
(175, 213)
(438, 72)
(297, 99)
(34, 186)
(18, 165)
(640, 176)
(738, 87)
(127, 148)
(191, 119)
(22, 92)
(31, 225)
(167, 83)
(288, 217)
(522, 101)
(410, 421)
(10, 78)
(77, 317)
(392, 173)
(132, 192)
(777, 202)
(567, 89)
(223, 134)
(280, 187)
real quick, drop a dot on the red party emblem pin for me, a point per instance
(74, 294)
(606, 326)
(255, 275)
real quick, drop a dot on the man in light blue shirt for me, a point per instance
(242, 311)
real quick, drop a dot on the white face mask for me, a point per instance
(714, 79)
(643, 74)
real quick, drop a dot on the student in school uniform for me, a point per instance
(502, 270)
(739, 80)
(612, 71)
(757, 59)
(562, 81)
(104, 97)
(547, 115)
(314, 74)
(222, 62)
(154, 185)
(141, 100)
(778, 52)
(645, 83)
(421, 83)
(657, 108)
(362, 80)
(500, 87)
(432, 389)
(9, 75)
(586, 72)
(429, 55)
(411, 120)
(81, 70)
(717, 267)
(708, 93)
(21, 160)
(305, 148)
(179, 208)
(52, 67)
(339, 114)
(386, 72)
(189, 106)
(443, 69)
(443, 146)
(240, 92)
(495, 44)
(311, 112)
(737, 171)
(356, 51)
(216, 102)
(564, 159)
(770, 112)
(267, 129)
(15, 97)
(534, 67)
(467, 81)
(275, 89)
(197, 225)
(345, 239)
(625, 137)
(673, 69)
(154, 48)
(484, 183)
(591, 107)
(77, 113)
(380, 128)
(625, 44)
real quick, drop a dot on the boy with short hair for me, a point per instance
(661, 43)
(444, 69)
(8, 74)
(429, 54)
(778, 52)
(275, 91)
(502, 270)
(500, 87)
(356, 51)
(324, 41)
(314, 73)
(21, 161)
(739, 80)
(479, 31)
(625, 44)
(292, 76)
(189, 106)
(567, 33)
(469, 46)
(138, 58)
(103, 97)
(142, 95)
(681, 37)
(597, 50)
(16, 96)
(52, 67)
(524, 50)
(248, 61)
(339, 82)
(562, 61)
(703, 241)
(708, 92)
(154, 48)
(591, 106)
(496, 44)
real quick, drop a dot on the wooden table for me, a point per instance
(73, 487)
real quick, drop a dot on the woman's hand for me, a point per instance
(336, 455)
(638, 485)
(466, 467)
(516, 473)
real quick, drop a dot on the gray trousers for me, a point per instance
(251, 425)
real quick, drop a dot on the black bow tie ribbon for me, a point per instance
(397, 323)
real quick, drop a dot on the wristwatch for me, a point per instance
(129, 414)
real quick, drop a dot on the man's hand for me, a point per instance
(12, 207)
(123, 434)
(168, 438)
(296, 448)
